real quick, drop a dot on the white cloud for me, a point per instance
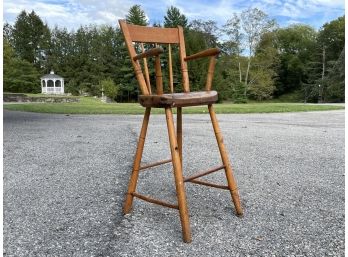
(73, 13)
(70, 13)
(329, 3)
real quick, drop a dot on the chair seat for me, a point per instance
(179, 99)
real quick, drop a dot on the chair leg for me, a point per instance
(232, 184)
(137, 159)
(179, 181)
(179, 131)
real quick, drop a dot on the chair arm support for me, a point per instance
(152, 52)
(210, 73)
(204, 53)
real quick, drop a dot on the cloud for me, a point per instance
(73, 13)
(305, 11)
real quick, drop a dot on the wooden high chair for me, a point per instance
(169, 36)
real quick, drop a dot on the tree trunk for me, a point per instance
(246, 77)
(240, 73)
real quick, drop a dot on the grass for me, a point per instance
(89, 105)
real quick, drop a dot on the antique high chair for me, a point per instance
(135, 36)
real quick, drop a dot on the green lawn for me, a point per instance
(89, 105)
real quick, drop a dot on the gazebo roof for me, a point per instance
(51, 76)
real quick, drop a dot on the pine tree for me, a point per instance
(136, 16)
(31, 38)
(174, 18)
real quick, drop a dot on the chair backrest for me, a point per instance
(141, 34)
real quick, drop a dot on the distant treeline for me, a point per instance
(259, 60)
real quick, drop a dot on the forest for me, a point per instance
(259, 60)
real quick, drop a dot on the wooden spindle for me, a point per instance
(146, 70)
(210, 74)
(159, 78)
(179, 131)
(171, 85)
(182, 51)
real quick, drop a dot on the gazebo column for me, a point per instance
(62, 86)
(46, 86)
(54, 86)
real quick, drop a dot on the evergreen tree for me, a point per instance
(31, 38)
(335, 80)
(328, 73)
(20, 76)
(7, 32)
(136, 16)
(128, 85)
(195, 42)
(174, 18)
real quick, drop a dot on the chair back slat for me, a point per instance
(170, 67)
(159, 78)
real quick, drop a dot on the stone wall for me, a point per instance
(39, 99)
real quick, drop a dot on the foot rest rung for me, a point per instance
(208, 184)
(198, 175)
(154, 164)
(155, 201)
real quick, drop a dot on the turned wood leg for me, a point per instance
(232, 184)
(137, 159)
(179, 181)
(179, 131)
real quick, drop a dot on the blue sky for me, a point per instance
(73, 13)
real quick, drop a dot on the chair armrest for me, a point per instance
(205, 53)
(149, 53)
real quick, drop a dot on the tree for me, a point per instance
(245, 31)
(331, 37)
(296, 45)
(208, 29)
(128, 85)
(330, 43)
(109, 87)
(136, 16)
(7, 32)
(334, 81)
(174, 18)
(195, 42)
(263, 72)
(20, 76)
(31, 38)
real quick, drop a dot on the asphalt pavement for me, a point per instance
(65, 177)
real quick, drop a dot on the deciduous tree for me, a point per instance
(245, 31)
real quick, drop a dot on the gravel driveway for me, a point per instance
(65, 178)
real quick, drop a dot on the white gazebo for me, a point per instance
(52, 84)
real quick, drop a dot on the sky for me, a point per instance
(73, 13)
